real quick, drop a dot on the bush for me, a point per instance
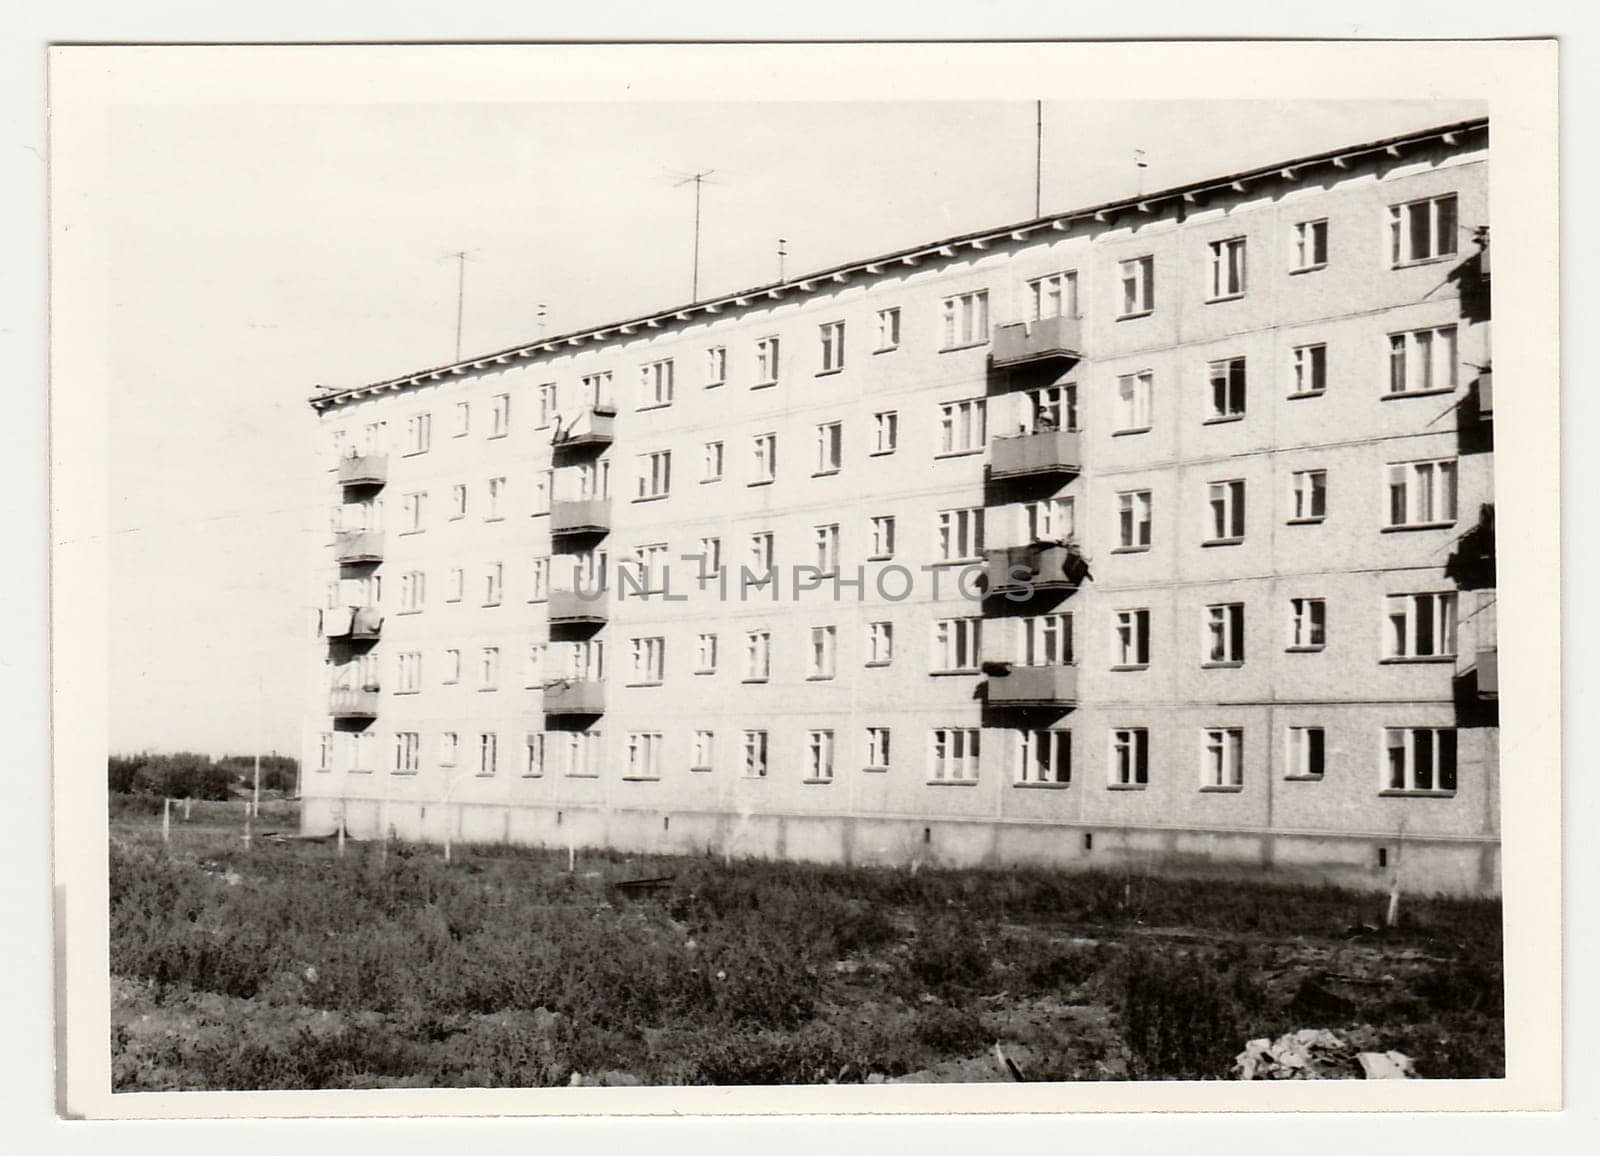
(948, 953)
(1184, 1017)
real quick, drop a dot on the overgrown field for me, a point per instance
(291, 966)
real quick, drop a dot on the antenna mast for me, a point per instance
(782, 253)
(698, 178)
(460, 256)
(1038, 155)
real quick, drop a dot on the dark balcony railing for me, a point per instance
(1489, 673)
(353, 702)
(593, 428)
(583, 516)
(352, 622)
(1034, 686)
(1041, 340)
(1043, 565)
(575, 697)
(366, 470)
(575, 607)
(1022, 455)
(358, 545)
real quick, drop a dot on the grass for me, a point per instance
(290, 966)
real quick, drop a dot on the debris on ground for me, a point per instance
(1317, 1054)
(1386, 1066)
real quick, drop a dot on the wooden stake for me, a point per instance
(186, 802)
(166, 820)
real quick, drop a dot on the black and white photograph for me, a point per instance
(628, 588)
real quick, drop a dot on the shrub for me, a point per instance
(1184, 1017)
(951, 1031)
(948, 953)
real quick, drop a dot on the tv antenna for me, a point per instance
(460, 257)
(782, 253)
(1140, 164)
(698, 178)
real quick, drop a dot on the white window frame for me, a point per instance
(1132, 638)
(1228, 274)
(703, 754)
(714, 461)
(649, 660)
(1422, 625)
(762, 546)
(1138, 280)
(1135, 397)
(879, 749)
(644, 754)
(767, 362)
(819, 756)
(888, 329)
(1047, 640)
(1043, 756)
(764, 458)
(655, 475)
(1309, 495)
(1135, 519)
(656, 384)
(533, 755)
(960, 534)
(1309, 366)
(539, 580)
(1305, 756)
(706, 654)
(488, 753)
(1222, 759)
(958, 645)
(886, 431)
(1130, 758)
(830, 336)
(1411, 774)
(1224, 634)
(757, 655)
(449, 748)
(1422, 493)
(463, 412)
(883, 537)
(830, 447)
(1424, 361)
(822, 659)
(954, 754)
(1441, 216)
(407, 752)
(495, 491)
(489, 668)
(494, 583)
(965, 319)
(880, 643)
(1050, 519)
(716, 366)
(1053, 295)
(963, 426)
(1225, 503)
(1228, 388)
(1309, 245)
(755, 754)
(826, 540)
(1308, 623)
(500, 415)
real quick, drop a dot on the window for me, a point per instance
(493, 583)
(830, 447)
(1130, 757)
(407, 748)
(757, 656)
(1138, 286)
(880, 643)
(488, 753)
(455, 584)
(597, 390)
(412, 506)
(713, 463)
(761, 553)
(755, 754)
(1308, 623)
(1310, 495)
(832, 336)
(541, 491)
(649, 658)
(655, 384)
(644, 755)
(533, 755)
(1310, 245)
(463, 424)
(489, 668)
(413, 590)
(583, 661)
(589, 570)
(325, 751)
(819, 756)
(594, 480)
(1422, 361)
(1222, 759)
(1227, 388)
(827, 543)
(961, 426)
(716, 366)
(954, 755)
(1422, 230)
(497, 489)
(539, 580)
(882, 537)
(1310, 370)
(1226, 500)
(1422, 493)
(1420, 758)
(956, 645)
(1133, 520)
(1053, 296)
(966, 319)
(409, 680)
(888, 329)
(877, 749)
(1133, 402)
(1133, 638)
(500, 415)
(824, 652)
(655, 474)
(764, 453)
(579, 753)
(1047, 640)
(960, 534)
(547, 404)
(1225, 634)
(452, 666)
(1227, 268)
(1051, 519)
(1307, 755)
(705, 661)
(1421, 625)
(1052, 407)
(1044, 757)
(767, 361)
(419, 433)
(704, 757)
(458, 501)
(710, 558)
(885, 432)
(449, 748)
(533, 676)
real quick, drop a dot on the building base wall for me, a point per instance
(1451, 866)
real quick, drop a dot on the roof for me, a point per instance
(944, 249)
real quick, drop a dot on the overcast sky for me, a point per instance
(261, 251)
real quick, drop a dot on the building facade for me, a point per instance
(1157, 534)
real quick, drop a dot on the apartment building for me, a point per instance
(1155, 534)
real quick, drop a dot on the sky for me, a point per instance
(259, 252)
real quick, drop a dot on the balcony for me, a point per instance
(1042, 340)
(592, 428)
(358, 545)
(575, 697)
(1034, 686)
(1034, 455)
(582, 516)
(1489, 673)
(579, 607)
(366, 470)
(357, 622)
(353, 702)
(1041, 566)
